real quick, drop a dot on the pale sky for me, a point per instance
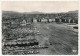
(41, 6)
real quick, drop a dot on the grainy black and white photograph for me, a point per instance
(39, 27)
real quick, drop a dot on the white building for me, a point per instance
(23, 23)
(50, 20)
(35, 20)
(43, 20)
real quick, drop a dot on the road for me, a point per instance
(59, 34)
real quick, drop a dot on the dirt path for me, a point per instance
(59, 33)
(42, 38)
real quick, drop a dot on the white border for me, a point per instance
(40, 0)
(37, 55)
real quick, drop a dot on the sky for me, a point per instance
(41, 6)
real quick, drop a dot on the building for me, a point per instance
(35, 20)
(56, 20)
(38, 20)
(23, 23)
(53, 20)
(50, 20)
(43, 20)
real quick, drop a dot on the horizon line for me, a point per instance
(41, 12)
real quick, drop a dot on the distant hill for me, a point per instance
(76, 11)
(10, 12)
(13, 14)
(34, 12)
